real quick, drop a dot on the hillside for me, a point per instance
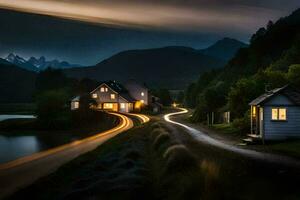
(171, 67)
(267, 46)
(224, 49)
(16, 84)
(271, 60)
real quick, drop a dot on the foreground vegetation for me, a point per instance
(143, 163)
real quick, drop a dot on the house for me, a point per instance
(276, 114)
(113, 96)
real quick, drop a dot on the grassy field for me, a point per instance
(142, 163)
(17, 108)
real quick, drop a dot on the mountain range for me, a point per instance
(37, 64)
(172, 67)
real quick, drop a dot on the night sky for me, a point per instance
(86, 32)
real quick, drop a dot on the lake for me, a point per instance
(13, 147)
(5, 117)
(16, 146)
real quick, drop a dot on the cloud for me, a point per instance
(211, 16)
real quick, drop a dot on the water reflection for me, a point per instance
(13, 147)
(5, 117)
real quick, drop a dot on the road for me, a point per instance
(24, 171)
(234, 172)
(202, 137)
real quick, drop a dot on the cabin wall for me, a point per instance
(282, 129)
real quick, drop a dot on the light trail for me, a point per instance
(204, 138)
(125, 124)
(26, 170)
(143, 118)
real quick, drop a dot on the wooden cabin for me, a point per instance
(275, 115)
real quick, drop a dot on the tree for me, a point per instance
(52, 111)
(294, 75)
(241, 95)
(190, 98)
(86, 85)
(180, 97)
(51, 79)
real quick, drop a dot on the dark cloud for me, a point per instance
(108, 27)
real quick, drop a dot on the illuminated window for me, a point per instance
(254, 111)
(279, 114)
(102, 89)
(113, 96)
(143, 94)
(108, 106)
(95, 95)
(142, 101)
(122, 106)
(106, 89)
(282, 114)
(76, 104)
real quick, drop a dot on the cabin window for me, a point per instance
(122, 106)
(279, 114)
(142, 101)
(142, 94)
(113, 96)
(76, 104)
(95, 95)
(102, 89)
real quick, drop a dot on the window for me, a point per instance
(122, 106)
(142, 94)
(113, 96)
(279, 114)
(95, 95)
(107, 106)
(142, 101)
(76, 104)
(282, 114)
(102, 89)
(106, 89)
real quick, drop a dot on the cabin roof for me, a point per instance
(291, 93)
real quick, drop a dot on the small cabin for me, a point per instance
(275, 115)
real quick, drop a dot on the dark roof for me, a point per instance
(291, 93)
(127, 97)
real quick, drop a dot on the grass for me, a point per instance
(17, 108)
(225, 128)
(290, 148)
(126, 167)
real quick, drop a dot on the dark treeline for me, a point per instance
(271, 60)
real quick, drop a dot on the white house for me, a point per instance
(113, 96)
(276, 114)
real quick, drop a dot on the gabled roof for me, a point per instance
(291, 93)
(118, 88)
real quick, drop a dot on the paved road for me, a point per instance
(202, 137)
(24, 171)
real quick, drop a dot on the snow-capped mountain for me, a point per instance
(34, 64)
(19, 61)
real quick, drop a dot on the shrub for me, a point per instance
(242, 124)
(52, 111)
(179, 159)
(162, 139)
